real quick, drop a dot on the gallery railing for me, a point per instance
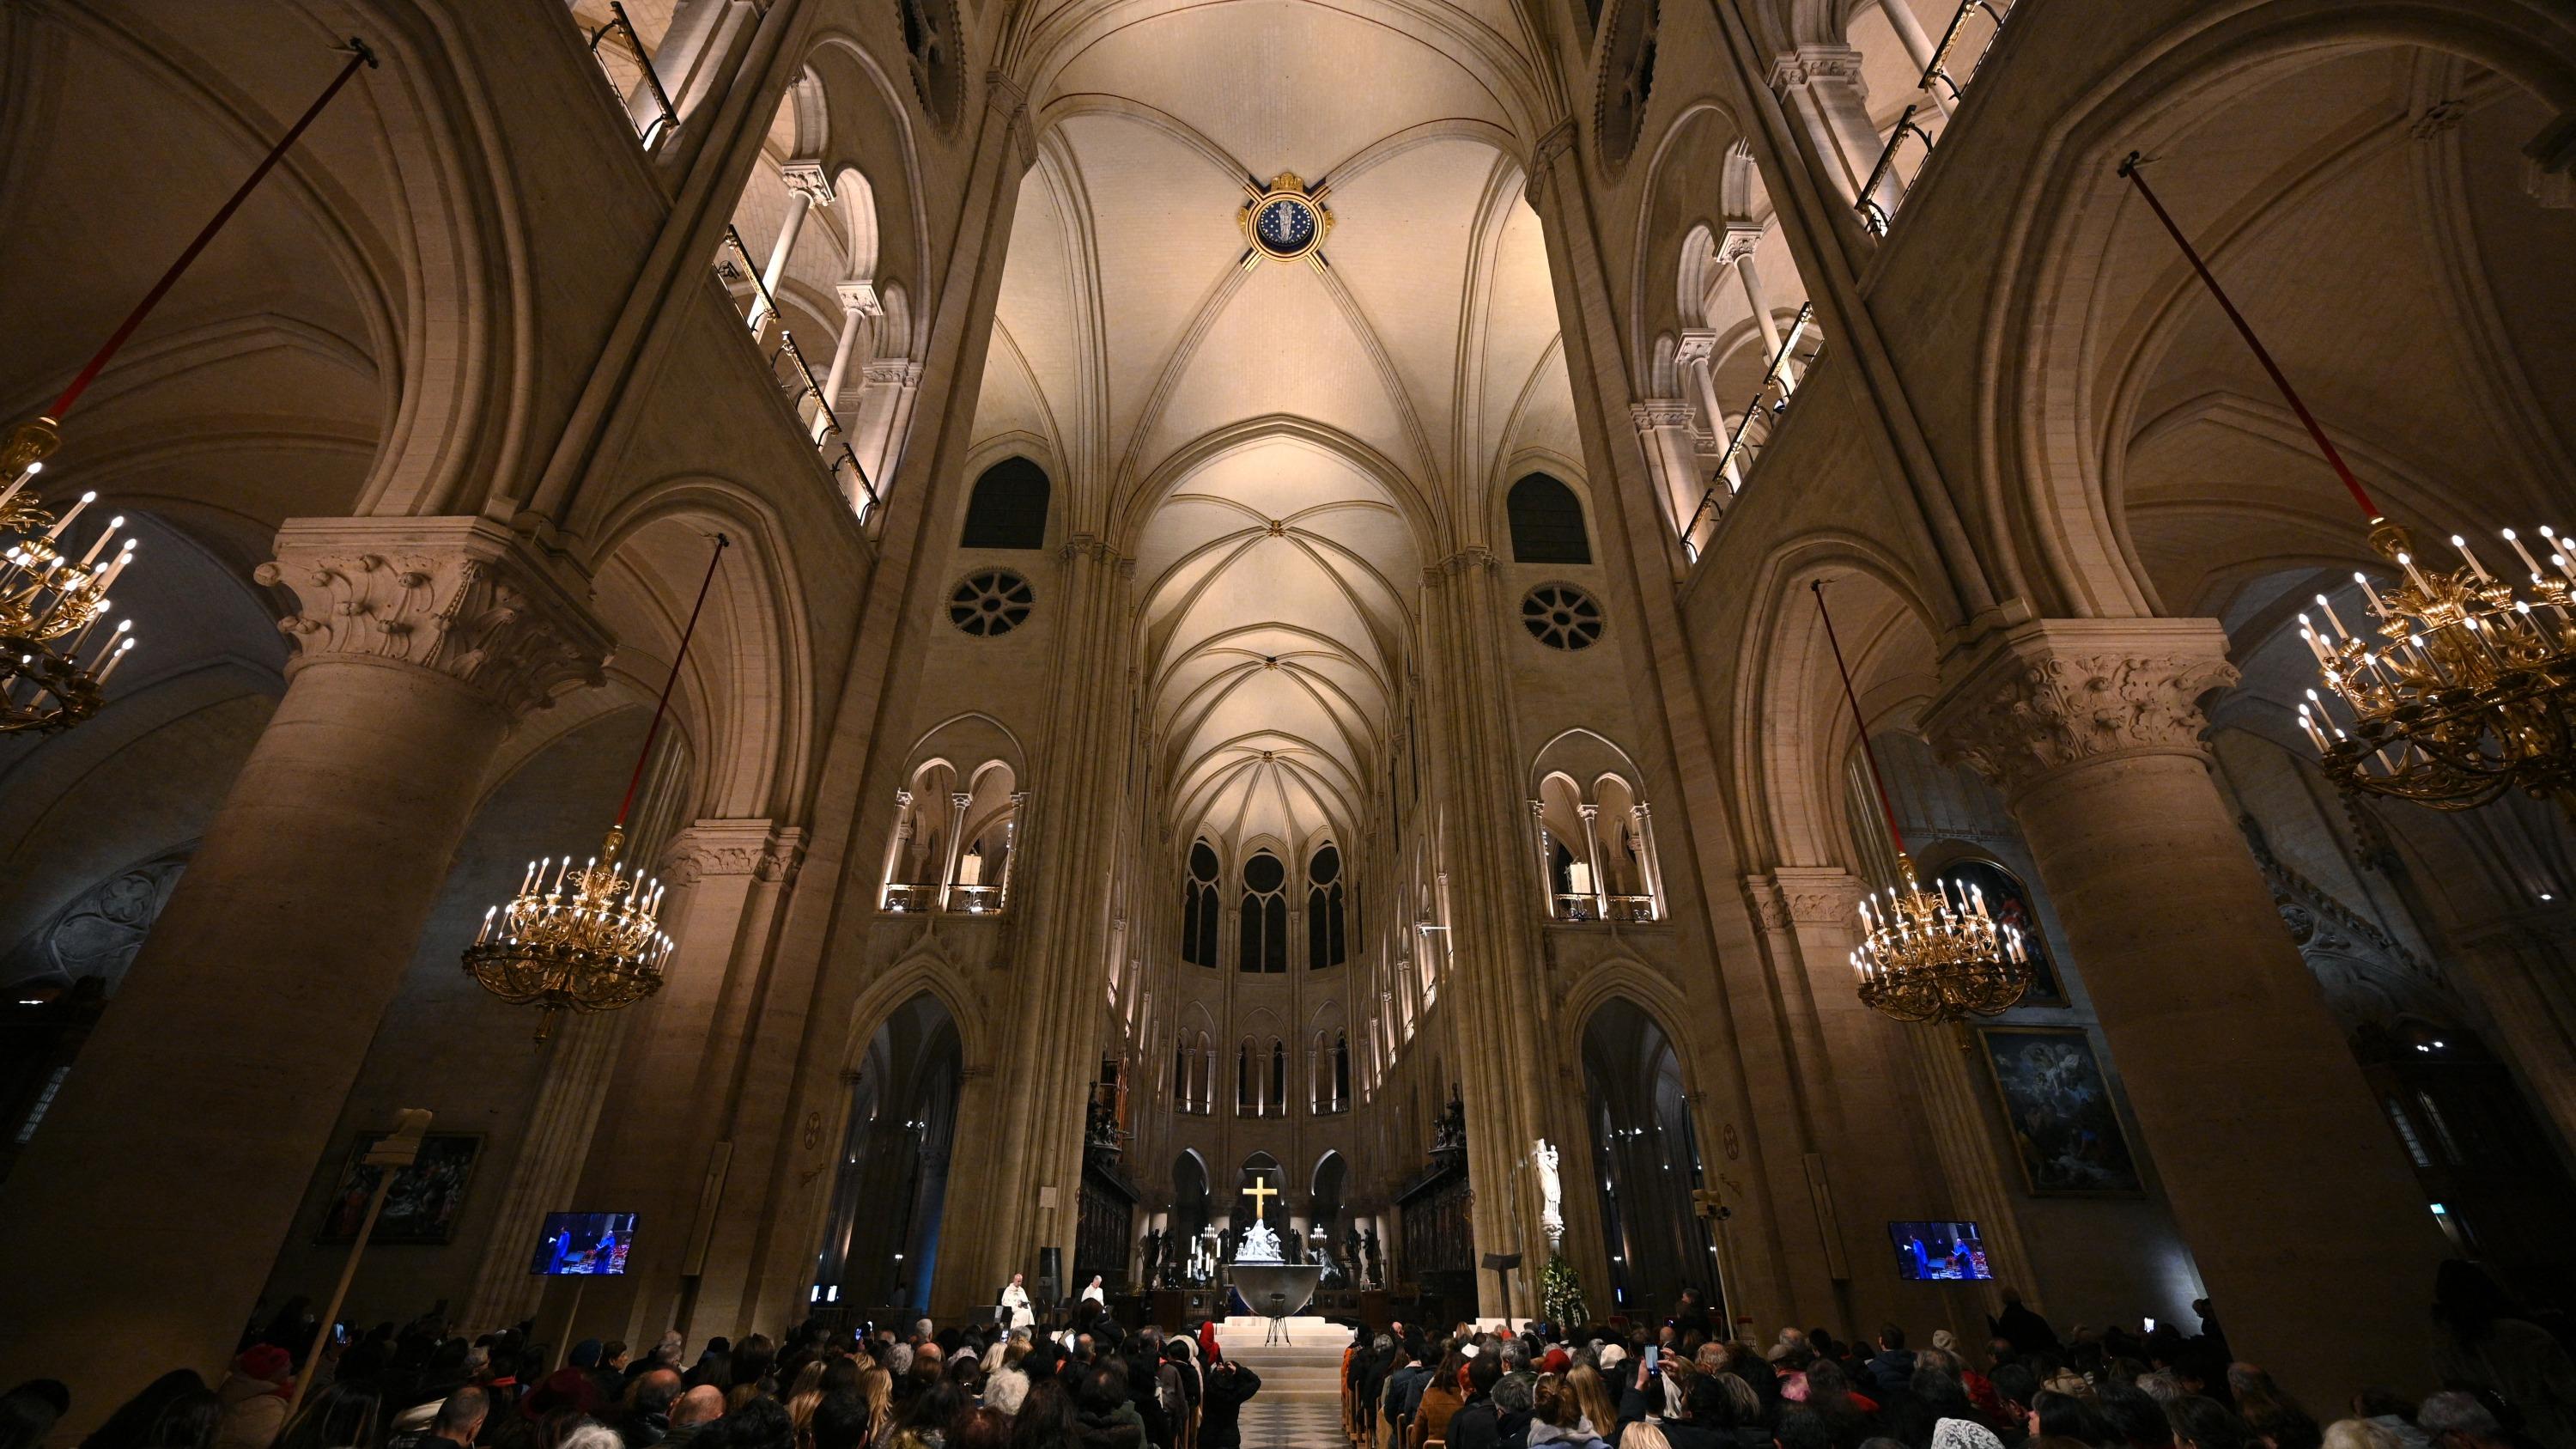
(1948, 74)
(650, 126)
(788, 369)
(1779, 384)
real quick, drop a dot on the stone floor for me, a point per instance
(1300, 1403)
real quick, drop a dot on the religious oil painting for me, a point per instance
(2008, 901)
(2064, 1127)
(423, 1205)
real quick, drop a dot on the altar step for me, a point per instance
(1300, 1403)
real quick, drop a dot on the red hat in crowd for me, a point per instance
(1555, 1361)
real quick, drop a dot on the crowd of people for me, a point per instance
(420, 1387)
(2508, 1383)
(1680, 1383)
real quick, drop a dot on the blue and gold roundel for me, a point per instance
(1284, 222)
(1285, 226)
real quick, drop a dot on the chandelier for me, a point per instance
(2460, 685)
(589, 938)
(1931, 955)
(51, 603)
(1936, 955)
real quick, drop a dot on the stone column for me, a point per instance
(1918, 46)
(1663, 427)
(2305, 1223)
(858, 303)
(806, 185)
(1820, 85)
(142, 1220)
(664, 1148)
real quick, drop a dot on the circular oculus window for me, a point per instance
(1561, 616)
(990, 602)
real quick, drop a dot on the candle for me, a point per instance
(2527, 560)
(2406, 561)
(2316, 646)
(2315, 735)
(114, 660)
(2378, 605)
(2479, 569)
(100, 542)
(2342, 634)
(66, 520)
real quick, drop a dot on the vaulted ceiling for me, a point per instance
(1281, 445)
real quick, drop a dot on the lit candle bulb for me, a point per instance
(2378, 605)
(2415, 576)
(116, 658)
(2315, 735)
(2316, 646)
(100, 542)
(66, 520)
(124, 556)
(2475, 567)
(2524, 553)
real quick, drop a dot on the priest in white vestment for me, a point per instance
(1015, 1306)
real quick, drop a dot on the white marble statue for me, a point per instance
(1551, 1192)
(1259, 1245)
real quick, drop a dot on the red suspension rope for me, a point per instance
(1885, 805)
(662, 705)
(359, 55)
(2289, 394)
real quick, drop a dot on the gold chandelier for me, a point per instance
(2469, 689)
(2461, 685)
(1931, 955)
(51, 603)
(588, 938)
(1936, 955)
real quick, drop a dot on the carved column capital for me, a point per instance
(1737, 244)
(1556, 144)
(2027, 702)
(756, 847)
(464, 597)
(1698, 344)
(1820, 895)
(1768, 903)
(1660, 412)
(807, 177)
(860, 297)
(1811, 63)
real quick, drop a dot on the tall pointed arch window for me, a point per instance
(1008, 508)
(1326, 931)
(1244, 1093)
(1547, 522)
(1199, 909)
(1264, 944)
(1275, 1101)
(1341, 1071)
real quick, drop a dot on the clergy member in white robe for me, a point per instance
(1015, 1306)
(1095, 1293)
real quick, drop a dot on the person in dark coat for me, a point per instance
(1889, 1375)
(1229, 1386)
(1478, 1424)
(2027, 1332)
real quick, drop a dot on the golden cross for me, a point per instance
(1259, 1191)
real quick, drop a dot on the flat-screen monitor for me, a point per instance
(1939, 1252)
(584, 1243)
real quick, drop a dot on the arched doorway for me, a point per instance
(1645, 1161)
(1261, 1170)
(882, 1246)
(1191, 1214)
(1324, 1212)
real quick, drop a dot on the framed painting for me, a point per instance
(425, 1202)
(2057, 1105)
(2008, 901)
